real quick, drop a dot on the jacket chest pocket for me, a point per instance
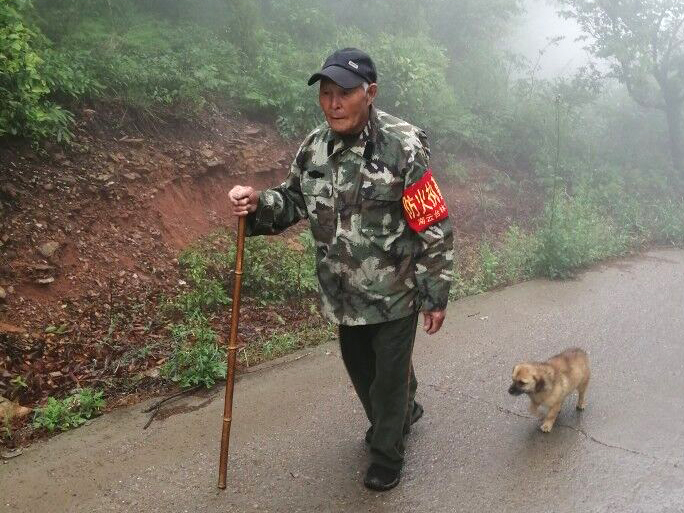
(318, 197)
(381, 209)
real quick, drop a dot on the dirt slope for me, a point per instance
(90, 235)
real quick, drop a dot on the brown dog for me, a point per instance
(549, 383)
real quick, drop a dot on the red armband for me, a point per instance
(423, 203)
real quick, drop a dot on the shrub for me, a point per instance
(275, 270)
(26, 109)
(196, 359)
(667, 225)
(574, 234)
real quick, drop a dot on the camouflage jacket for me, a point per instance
(371, 265)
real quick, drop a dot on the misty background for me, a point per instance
(539, 25)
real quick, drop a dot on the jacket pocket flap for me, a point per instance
(316, 187)
(382, 192)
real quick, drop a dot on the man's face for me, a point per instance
(346, 110)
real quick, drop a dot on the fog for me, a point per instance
(539, 24)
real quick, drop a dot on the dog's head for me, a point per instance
(527, 379)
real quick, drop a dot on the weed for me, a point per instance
(70, 412)
(667, 224)
(284, 342)
(197, 359)
(575, 234)
(517, 254)
(6, 431)
(456, 170)
(489, 262)
(135, 354)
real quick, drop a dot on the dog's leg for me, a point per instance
(581, 389)
(534, 408)
(551, 417)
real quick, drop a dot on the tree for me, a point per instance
(643, 42)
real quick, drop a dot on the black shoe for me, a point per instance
(381, 478)
(415, 417)
(369, 435)
(416, 414)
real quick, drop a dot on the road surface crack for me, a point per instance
(588, 436)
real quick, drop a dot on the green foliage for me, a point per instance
(277, 271)
(456, 171)
(503, 262)
(71, 412)
(413, 82)
(575, 234)
(489, 271)
(197, 359)
(206, 278)
(667, 225)
(25, 106)
(153, 66)
(517, 255)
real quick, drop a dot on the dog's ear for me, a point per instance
(515, 370)
(539, 385)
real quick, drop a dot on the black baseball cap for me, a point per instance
(348, 68)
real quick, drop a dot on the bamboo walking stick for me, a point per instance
(232, 350)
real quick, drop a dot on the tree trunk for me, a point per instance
(674, 124)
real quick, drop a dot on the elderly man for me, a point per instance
(384, 246)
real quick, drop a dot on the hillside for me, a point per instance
(91, 237)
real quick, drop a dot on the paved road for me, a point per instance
(297, 440)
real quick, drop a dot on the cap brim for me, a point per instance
(342, 77)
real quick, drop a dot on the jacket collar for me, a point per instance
(365, 144)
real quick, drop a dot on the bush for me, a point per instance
(156, 67)
(206, 278)
(667, 224)
(275, 271)
(574, 234)
(26, 109)
(70, 412)
(196, 359)
(281, 343)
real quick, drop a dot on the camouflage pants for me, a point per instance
(378, 360)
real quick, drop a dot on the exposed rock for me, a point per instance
(131, 140)
(215, 163)
(12, 453)
(9, 190)
(45, 281)
(42, 267)
(131, 176)
(152, 373)
(10, 328)
(3, 294)
(48, 249)
(12, 410)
